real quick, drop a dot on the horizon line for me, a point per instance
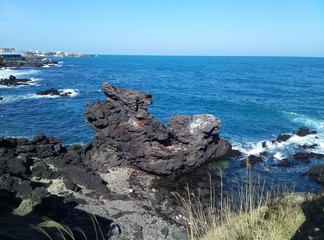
(183, 55)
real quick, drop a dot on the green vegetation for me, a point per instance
(252, 212)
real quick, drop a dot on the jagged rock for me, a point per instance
(13, 81)
(283, 137)
(51, 92)
(308, 146)
(54, 92)
(302, 132)
(307, 155)
(125, 131)
(91, 181)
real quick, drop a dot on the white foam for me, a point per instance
(281, 150)
(279, 155)
(70, 92)
(5, 73)
(317, 124)
(15, 98)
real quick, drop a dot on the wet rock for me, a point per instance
(308, 146)
(307, 155)
(125, 131)
(51, 92)
(13, 81)
(283, 137)
(251, 160)
(302, 132)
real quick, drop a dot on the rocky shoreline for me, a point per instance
(119, 177)
(124, 177)
(33, 62)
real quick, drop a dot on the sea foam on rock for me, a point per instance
(126, 132)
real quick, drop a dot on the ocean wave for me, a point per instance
(70, 92)
(306, 121)
(5, 73)
(32, 82)
(281, 150)
(16, 98)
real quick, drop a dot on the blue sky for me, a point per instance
(165, 27)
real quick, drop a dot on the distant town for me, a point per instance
(9, 57)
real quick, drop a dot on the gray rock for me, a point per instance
(165, 232)
(180, 235)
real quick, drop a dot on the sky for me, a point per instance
(166, 27)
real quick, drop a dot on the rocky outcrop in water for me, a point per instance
(126, 132)
(53, 92)
(13, 81)
(29, 63)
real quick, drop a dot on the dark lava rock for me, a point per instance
(13, 81)
(286, 163)
(307, 155)
(307, 146)
(54, 92)
(318, 173)
(91, 181)
(69, 184)
(51, 92)
(251, 160)
(283, 137)
(125, 131)
(302, 132)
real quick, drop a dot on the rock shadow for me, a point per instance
(313, 227)
(14, 227)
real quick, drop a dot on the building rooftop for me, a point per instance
(10, 53)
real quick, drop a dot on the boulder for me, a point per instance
(307, 155)
(51, 92)
(302, 132)
(13, 81)
(283, 137)
(126, 132)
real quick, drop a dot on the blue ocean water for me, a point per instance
(256, 98)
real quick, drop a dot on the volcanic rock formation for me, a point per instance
(125, 131)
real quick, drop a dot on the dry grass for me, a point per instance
(54, 230)
(249, 212)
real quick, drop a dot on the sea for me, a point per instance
(256, 99)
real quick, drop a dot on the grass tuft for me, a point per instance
(249, 212)
(54, 230)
